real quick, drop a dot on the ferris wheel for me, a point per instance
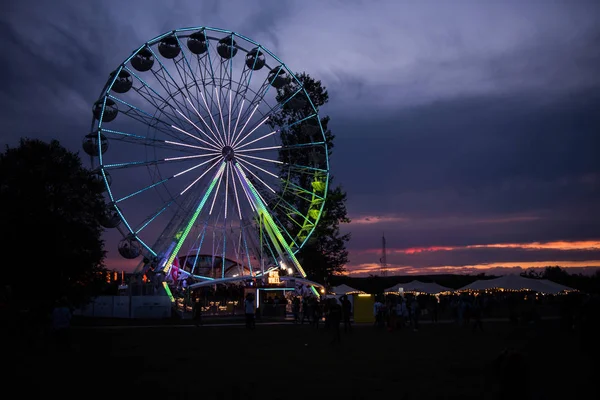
(202, 179)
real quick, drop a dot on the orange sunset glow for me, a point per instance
(558, 245)
(503, 268)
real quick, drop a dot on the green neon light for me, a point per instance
(187, 229)
(316, 206)
(168, 291)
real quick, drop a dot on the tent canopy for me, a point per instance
(517, 282)
(345, 289)
(418, 286)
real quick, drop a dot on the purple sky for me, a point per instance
(461, 127)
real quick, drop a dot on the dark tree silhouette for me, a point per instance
(325, 252)
(50, 237)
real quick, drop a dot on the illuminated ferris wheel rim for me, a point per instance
(229, 150)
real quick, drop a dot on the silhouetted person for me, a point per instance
(249, 311)
(296, 309)
(305, 311)
(197, 312)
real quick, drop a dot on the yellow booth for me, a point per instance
(363, 307)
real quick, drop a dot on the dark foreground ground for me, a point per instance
(289, 361)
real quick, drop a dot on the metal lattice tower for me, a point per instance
(383, 259)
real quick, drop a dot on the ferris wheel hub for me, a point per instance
(228, 153)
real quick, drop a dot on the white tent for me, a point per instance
(418, 286)
(517, 282)
(345, 289)
(434, 288)
(554, 288)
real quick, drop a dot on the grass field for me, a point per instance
(286, 361)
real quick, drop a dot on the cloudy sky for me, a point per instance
(467, 132)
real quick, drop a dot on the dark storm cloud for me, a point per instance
(486, 155)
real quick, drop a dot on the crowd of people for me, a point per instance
(326, 310)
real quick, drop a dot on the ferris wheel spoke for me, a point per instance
(241, 145)
(283, 229)
(243, 234)
(269, 246)
(211, 117)
(212, 150)
(216, 191)
(151, 218)
(304, 168)
(206, 124)
(252, 131)
(260, 158)
(250, 202)
(257, 167)
(237, 148)
(229, 119)
(300, 189)
(249, 196)
(237, 200)
(186, 75)
(146, 141)
(226, 189)
(144, 117)
(218, 93)
(237, 120)
(223, 256)
(214, 145)
(203, 233)
(200, 177)
(161, 182)
(258, 178)
(157, 162)
(255, 103)
(237, 248)
(199, 247)
(258, 98)
(193, 81)
(151, 96)
(196, 166)
(240, 94)
(265, 117)
(216, 82)
(237, 134)
(292, 210)
(262, 149)
(167, 82)
(203, 66)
